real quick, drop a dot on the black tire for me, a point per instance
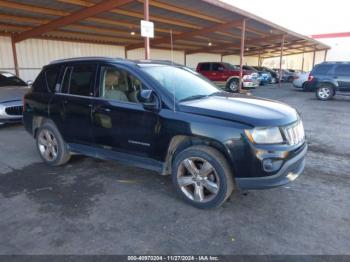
(305, 87)
(233, 85)
(325, 92)
(63, 154)
(221, 171)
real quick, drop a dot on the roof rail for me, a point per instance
(86, 58)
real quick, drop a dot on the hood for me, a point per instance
(244, 109)
(12, 93)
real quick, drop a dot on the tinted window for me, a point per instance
(8, 79)
(231, 67)
(205, 67)
(120, 85)
(66, 79)
(82, 79)
(217, 67)
(39, 84)
(52, 77)
(342, 70)
(322, 69)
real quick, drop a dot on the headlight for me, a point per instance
(271, 135)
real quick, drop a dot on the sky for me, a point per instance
(306, 17)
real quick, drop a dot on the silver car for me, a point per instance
(12, 90)
(300, 79)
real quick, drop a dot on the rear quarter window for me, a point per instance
(46, 80)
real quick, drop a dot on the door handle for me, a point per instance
(103, 109)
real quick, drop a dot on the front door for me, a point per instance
(71, 108)
(120, 121)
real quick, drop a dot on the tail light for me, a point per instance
(310, 78)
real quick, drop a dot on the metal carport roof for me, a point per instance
(209, 26)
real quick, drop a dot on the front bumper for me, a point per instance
(290, 170)
(10, 112)
(250, 84)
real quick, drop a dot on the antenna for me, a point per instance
(172, 62)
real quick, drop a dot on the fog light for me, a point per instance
(271, 165)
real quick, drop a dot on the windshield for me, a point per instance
(8, 79)
(183, 83)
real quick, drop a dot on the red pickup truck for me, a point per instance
(227, 75)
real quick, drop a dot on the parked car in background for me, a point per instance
(265, 77)
(12, 90)
(300, 80)
(287, 76)
(274, 75)
(227, 75)
(330, 78)
(165, 118)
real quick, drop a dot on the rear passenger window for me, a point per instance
(217, 67)
(342, 70)
(322, 69)
(79, 80)
(205, 67)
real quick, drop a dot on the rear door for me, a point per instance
(342, 76)
(71, 108)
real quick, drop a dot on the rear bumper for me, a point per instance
(288, 172)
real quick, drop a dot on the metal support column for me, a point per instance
(281, 56)
(325, 55)
(14, 53)
(303, 59)
(313, 57)
(241, 55)
(146, 17)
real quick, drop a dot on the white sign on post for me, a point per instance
(147, 29)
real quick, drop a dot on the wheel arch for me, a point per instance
(181, 142)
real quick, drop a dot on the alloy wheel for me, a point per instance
(48, 145)
(198, 179)
(324, 92)
(233, 86)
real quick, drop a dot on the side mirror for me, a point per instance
(149, 100)
(29, 82)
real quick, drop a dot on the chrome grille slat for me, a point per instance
(294, 133)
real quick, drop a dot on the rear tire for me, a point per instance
(325, 92)
(202, 177)
(51, 146)
(233, 85)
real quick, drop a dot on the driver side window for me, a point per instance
(117, 84)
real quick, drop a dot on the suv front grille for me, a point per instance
(294, 133)
(14, 110)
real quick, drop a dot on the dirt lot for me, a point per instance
(96, 207)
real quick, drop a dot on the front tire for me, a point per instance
(202, 177)
(51, 146)
(325, 92)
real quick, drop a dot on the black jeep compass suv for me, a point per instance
(167, 118)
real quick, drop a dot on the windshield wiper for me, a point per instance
(194, 97)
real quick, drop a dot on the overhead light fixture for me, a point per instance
(132, 33)
(247, 49)
(209, 44)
